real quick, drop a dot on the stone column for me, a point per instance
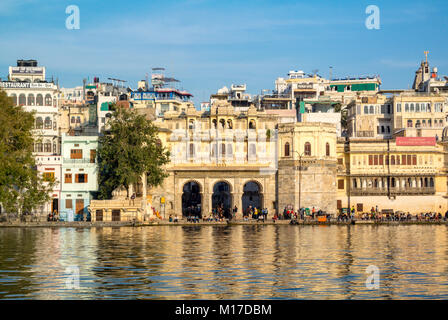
(238, 201)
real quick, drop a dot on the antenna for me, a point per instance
(426, 54)
(315, 71)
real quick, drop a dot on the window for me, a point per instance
(308, 149)
(409, 123)
(76, 154)
(340, 161)
(78, 119)
(22, 100)
(398, 107)
(414, 160)
(31, 100)
(406, 107)
(412, 107)
(340, 184)
(48, 124)
(381, 160)
(39, 123)
(48, 100)
(68, 204)
(366, 109)
(287, 149)
(229, 124)
(68, 178)
(252, 124)
(370, 160)
(38, 147)
(73, 120)
(383, 109)
(229, 150)
(223, 150)
(372, 110)
(191, 150)
(327, 149)
(92, 155)
(382, 129)
(191, 124)
(375, 160)
(81, 178)
(398, 160)
(403, 159)
(39, 100)
(47, 146)
(388, 109)
(409, 160)
(417, 107)
(392, 160)
(48, 176)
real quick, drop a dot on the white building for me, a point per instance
(28, 87)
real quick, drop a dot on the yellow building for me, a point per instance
(405, 173)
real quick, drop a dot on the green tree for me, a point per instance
(343, 110)
(128, 149)
(22, 188)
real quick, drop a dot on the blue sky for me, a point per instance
(209, 44)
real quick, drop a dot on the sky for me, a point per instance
(211, 44)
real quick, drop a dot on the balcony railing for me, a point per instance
(74, 161)
(392, 191)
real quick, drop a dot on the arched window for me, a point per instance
(307, 149)
(412, 107)
(72, 120)
(327, 149)
(287, 149)
(366, 109)
(191, 124)
(22, 99)
(392, 160)
(47, 123)
(222, 122)
(229, 124)
(39, 123)
(417, 124)
(14, 98)
(48, 100)
(39, 100)
(406, 107)
(78, 119)
(31, 100)
(372, 110)
(417, 107)
(431, 182)
(428, 107)
(409, 123)
(215, 123)
(252, 124)
(355, 184)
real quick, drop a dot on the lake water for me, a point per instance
(224, 262)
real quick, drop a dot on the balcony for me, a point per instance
(77, 161)
(393, 191)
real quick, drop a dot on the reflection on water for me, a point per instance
(225, 262)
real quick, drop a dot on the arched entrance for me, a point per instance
(222, 198)
(252, 196)
(191, 199)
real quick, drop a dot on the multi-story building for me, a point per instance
(405, 173)
(28, 86)
(79, 174)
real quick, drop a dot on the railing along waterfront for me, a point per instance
(392, 191)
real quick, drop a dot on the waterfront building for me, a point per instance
(404, 173)
(79, 174)
(28, 86)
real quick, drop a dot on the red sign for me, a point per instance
(415, 141)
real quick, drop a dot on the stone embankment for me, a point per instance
(80, 224)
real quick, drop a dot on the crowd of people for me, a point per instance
(390, 215)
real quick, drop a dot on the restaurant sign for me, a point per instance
(27, 70)
(415, 141)
(26, 85)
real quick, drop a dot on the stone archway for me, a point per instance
(222, 197)
(252, 195)
(191, 199)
